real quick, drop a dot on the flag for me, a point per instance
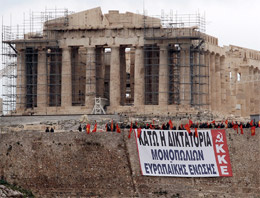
(190, 122)
(151, 126)
(251, 123)
(187, 127)
(118, 129)
(235, 127)
(196, 132)
(130, 131)
(213, 122)
(139, 130)
(88, 128)
(241, 129)
(170, 123)
(106, 127)
(253, 131)
(153, 122)
(95, 128)
(226, 122)
(112, 126)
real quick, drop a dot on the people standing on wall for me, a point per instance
(52, 129)
(108, 127)
(80, 128)
(47, 130)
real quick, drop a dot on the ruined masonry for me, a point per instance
(134, 64)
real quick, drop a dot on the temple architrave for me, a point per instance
(89, 62)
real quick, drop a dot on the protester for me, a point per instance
(80, 128)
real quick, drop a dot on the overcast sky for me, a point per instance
(235, 22)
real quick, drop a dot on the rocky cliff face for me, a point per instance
(73, 164)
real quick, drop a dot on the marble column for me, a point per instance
(202, 80)
(245, 89)
(100, 72)
(212, 82)
(196, 79)
(185, 86)
(255, 101)
(139, 77)
(114, 77)
(223, 76)
(207, 80)
(42, 79)
(66, 89)
(21, 80)
(228, 90)
(163, 76)
(217, 82)
(233, 100)
(251, 92)
(90, 91)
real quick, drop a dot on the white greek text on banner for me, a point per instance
(178, 153)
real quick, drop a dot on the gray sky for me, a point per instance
(235, 22)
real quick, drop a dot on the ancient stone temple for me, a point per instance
(89, 62)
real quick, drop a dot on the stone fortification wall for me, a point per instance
(106, 164)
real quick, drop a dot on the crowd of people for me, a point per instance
(114, 127)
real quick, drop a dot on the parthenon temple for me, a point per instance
(89, 62)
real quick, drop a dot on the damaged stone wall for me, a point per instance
(67, 164)
(106, 164)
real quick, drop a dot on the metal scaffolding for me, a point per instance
(8, 72)
(11, 71)
(187, 73)
(39, 81)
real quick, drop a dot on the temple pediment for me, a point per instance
(95, 19)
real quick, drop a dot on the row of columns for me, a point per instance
(66, 78)
(66, 82)
(216, 85)
(93, 78)
(115, 73)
